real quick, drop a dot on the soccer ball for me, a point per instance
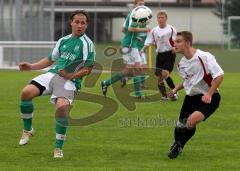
(142, 15)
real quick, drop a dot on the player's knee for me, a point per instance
(26, 94)
(165, 74)
(62, 103)
(194, 119)
(63, 111)
(62, 107)
(191, 123)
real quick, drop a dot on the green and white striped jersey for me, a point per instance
(129, 39)
(71, 54)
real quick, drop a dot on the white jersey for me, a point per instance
(163, 38)
(198, 72)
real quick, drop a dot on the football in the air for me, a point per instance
(142, 15)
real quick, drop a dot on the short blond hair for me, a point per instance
(162, 12)
(136, 1)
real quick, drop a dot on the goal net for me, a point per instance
(14, 52)
(234, 33)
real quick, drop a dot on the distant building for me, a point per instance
(45, 21)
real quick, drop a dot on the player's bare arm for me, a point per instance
(81, 73)
(177, 88)
(207, 98)
(43, 63)
(144, 48)
(135, 30)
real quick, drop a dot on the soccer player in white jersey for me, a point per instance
(201, 76)
(163, 37)
(73, 57)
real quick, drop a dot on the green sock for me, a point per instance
(137, 86)
(118, 76)
(61, 129)
(26, 108)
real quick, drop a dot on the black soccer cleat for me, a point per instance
(175, 150)
(104, 88)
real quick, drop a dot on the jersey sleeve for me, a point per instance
(213, 67)
(53, 56)
(150, 38)
(125, 23)
(88, 53)
(174, 35)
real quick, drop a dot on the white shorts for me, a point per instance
(56, 86)
(143, 59)
(131, 56)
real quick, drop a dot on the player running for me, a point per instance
(163, 37)
(201, 75)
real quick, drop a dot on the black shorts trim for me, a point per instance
(165, 61)
(195, 103)
(39, 86)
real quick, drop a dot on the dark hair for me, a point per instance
(187, 36)
(81, 12)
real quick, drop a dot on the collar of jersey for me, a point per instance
(77, 36)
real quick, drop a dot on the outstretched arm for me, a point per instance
(43, 63)
(81, 73)
(177, 88)
(136, 29)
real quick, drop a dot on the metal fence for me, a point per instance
(30, 22)
(14, 52)
(48, 20)
(25, 20)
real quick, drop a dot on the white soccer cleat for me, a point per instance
(58, 153)
(25, 136)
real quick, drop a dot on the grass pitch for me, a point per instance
(137, 140)
(128, 140)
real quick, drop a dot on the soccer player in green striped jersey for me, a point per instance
(73, 57)
(131, 56)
